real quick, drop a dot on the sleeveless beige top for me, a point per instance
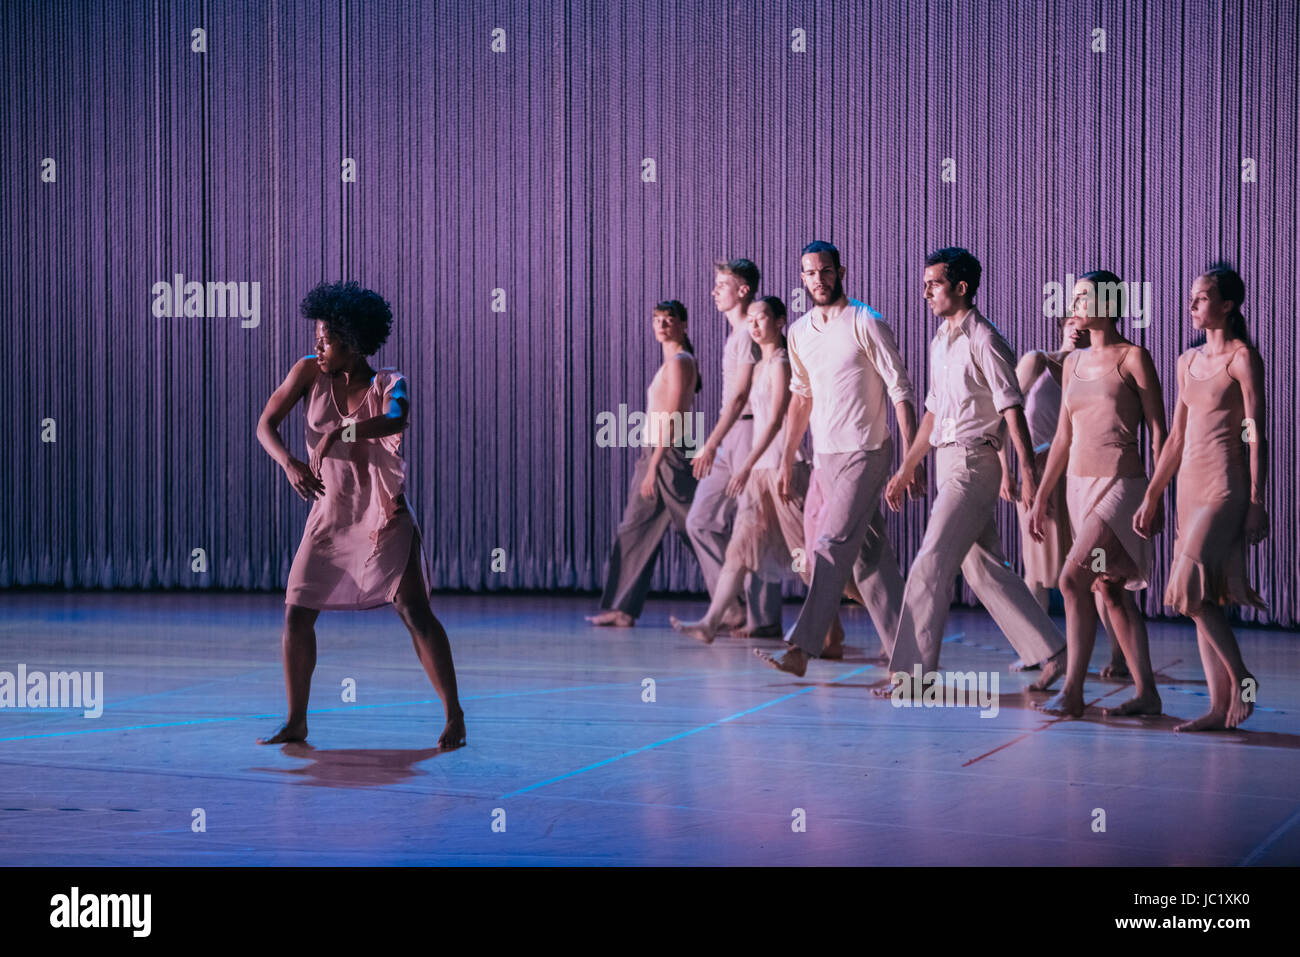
(1105, 413)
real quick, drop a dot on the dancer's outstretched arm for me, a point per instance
(279, 405)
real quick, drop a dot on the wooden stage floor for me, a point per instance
(564, 751)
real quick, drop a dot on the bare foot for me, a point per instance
(1239, 709)
(1066, 704)
(453, 735)
(289, 732)
(1053, 668)
(1146, 704)
(1019, 665)
(764, 631)
(613, 618)
(700, 630)
(1118, 668)
(733, 619)
(1210, 721)
(905, 684)
(794, 661)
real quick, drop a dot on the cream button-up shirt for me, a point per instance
(847, 365)
(972, 382)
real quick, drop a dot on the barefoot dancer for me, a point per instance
(845, 369)
(1220, 489)
(1109, 388)
(973, 395)
(713, 511)
(1039, 375)
(662, 483)
(767, 528)
(361, 547)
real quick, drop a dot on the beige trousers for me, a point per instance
(962, 535)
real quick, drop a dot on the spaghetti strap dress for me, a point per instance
(360, 532)
(1213, 493)
(1105, 480)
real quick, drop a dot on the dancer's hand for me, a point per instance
(1256, 523)
(737, 483)
(304, 481)
(784, 482)
(322, 449)
(648, 487)
(703, 462)
(1009, 492)
(917, 489)
(898, 483)
(1144, 519)
(1029, 489)
(1038, 518)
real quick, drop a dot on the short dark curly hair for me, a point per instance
(958, 266)
(358, 318)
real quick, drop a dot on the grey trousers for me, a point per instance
(641, 532)
(709, 527)
(850, 542)
(962, 534)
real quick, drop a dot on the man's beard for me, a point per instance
(836, 292)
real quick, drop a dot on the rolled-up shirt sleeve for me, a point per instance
(998, 363)
(799, 384)
(877, 339)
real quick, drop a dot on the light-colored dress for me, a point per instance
(767, 529)
(1213, 493)
(1105, 481)
(1044, 560)
(359, 533)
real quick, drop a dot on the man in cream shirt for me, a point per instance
(845, 371)
(973, 392)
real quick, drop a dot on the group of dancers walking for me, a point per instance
(754, 508)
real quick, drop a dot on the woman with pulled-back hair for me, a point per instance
(1109, 389)
(1218, 449)
(663, 483)
(768, 529)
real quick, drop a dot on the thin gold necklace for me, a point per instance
(353, 413)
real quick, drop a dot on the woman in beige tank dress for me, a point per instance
(1039, 375)
(361, 547)
(767, 532)
(1109, 388)
(1217, 447)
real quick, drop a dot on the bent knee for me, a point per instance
(1074, 579)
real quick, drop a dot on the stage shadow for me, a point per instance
(354, 767)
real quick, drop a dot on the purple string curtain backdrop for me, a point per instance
(522, 182)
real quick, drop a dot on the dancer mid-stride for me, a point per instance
(361, 547)
(1110, 389)
(662, 482)
(1039, 375)
(1217, 447)
(769, 528)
